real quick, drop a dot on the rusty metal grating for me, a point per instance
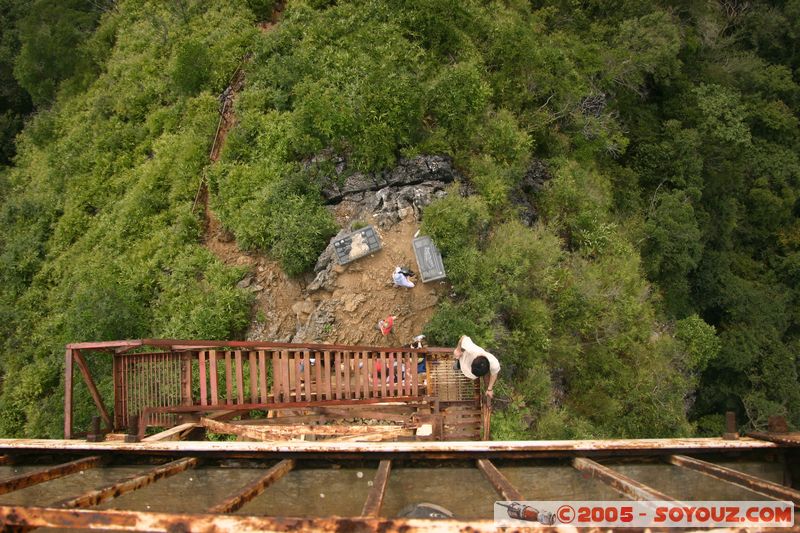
(448, 384)
(148, 380)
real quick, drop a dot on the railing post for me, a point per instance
(730, 426)
(68, 394)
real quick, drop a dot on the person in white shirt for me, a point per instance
(475, 362)
(401, 278)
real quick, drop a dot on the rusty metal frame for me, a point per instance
(217, 518)
(46, 474)
(129, 484)
(621, 483)
(374, 501)
(501, 484)
(251, 490)
(728, 475)
(148, 521)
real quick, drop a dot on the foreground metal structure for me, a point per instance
(323, 412)
(595, 462)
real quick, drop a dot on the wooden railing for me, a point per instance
(194, 376)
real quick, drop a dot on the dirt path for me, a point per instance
(363, 293)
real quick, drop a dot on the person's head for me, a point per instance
(480, 366)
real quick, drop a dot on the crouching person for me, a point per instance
(475, 362)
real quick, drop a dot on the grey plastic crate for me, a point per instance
(356, 245)
(429, 259)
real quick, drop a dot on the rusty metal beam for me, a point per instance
(172, 433)
(430, 449)
(115, 520)
(68, 388)
(372, 507)
(46, 474)
(5, 460)
(788, 439)
(87, 378)
(753, 483)
(500, 483)
(623, 484)
(255, 488)
(135, 482)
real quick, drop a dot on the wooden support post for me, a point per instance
(46, 474)
(255, 488)
(87, 378)
(372, 507)
(621, 483)
(500, 483)
(68, 394)
(753, 483)
(137, 481)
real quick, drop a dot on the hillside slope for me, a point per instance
(623, 232)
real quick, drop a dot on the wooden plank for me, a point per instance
(228, 379)
(262, 375)
(367, 375)
(382, 375)
(287, 385)
(348, 362)
(251, 490)
(87, 378)
(357, 371)
(619, 482)
(409, 364)
(171, 433)
(372, 507)
(501, 484)
(747, 481)
(187, 379)
(239, 377)
(201, 358)
(253, 369)
(414, 374)
(374, 362)
(68, 387)
(307, 375)
(181, 345)
(318, 376)
(337, 365)
(390, 372)
(277, 377)
(298, 376)
(46, 474)
(328, 369)
(212, 363)
(287, 431)
(129, 484)
(14, 516)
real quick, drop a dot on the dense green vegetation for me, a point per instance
(654, 146)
